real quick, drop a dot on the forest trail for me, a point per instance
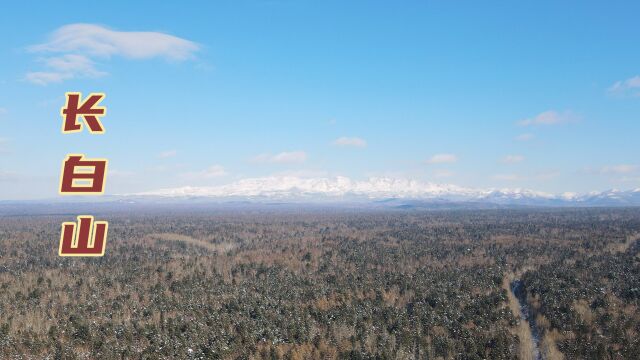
(528, 345)
(191, 241)
(630, 241)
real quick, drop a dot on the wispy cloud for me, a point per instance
(46, 77)
(211, 172)
(64, 67)
(286, 157)
(635, 179)
(506, 177)
(550, 117)
(167, 154)
(630, 86)
(443, 173)
(350, 142)
(442, 159)
(78, 45)
(121, 174)
(513, 159)
(9, 176)
(616, 169)
(99, 41)
(525, 137)
(4, 145)
(2, 111)
(619, 169)
(547, 175)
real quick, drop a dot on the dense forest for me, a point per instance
(326, 284)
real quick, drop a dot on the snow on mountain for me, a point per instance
(342, 188)
(612, 197)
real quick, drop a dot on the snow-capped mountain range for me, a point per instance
(337, 189)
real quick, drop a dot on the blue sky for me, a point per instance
(539, 95)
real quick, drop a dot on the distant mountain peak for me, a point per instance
(341, 188)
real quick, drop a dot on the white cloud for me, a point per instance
(550, 117)
(442, 159)
(350, 141)
(506, 177)
(74, 63)
(9, 176)
(525, 137)
(64, 67)
(44, 77)
(4, 145)
(635, 179)
(513, 159)
(302, 173)
(99, 41)
(3, 111)
(282, 158)
(619, 169)
(167, 154)
(211, 172)
(443, 173)
(79, 44)
(121, 174)
(547, 175)
(629, 86)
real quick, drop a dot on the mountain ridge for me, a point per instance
(343, 189)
